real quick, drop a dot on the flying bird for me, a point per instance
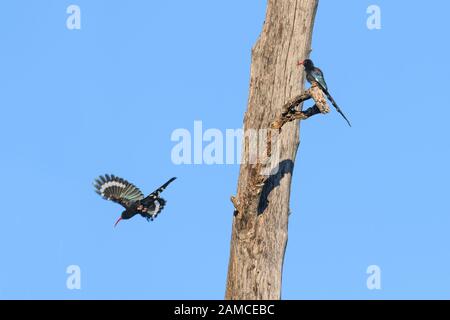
(315, 75)
(130, 197)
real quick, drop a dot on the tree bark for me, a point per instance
(260, 225)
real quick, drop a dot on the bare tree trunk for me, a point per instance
(260, 225)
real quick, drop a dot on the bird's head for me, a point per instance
(124, 216)
(307, 63)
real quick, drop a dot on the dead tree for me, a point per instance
(260, 225)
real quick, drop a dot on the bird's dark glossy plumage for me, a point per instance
(130, 197)
(315, 75)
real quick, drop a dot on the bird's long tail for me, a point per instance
(155, 194)
(166, 184)
(336, 106)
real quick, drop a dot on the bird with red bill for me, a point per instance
(130, 197)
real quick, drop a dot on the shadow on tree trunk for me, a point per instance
(284, 167)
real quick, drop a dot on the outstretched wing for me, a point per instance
(153, 204)
(317, 74)
(118, 190)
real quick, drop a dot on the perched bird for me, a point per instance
(130, 197)
(315, 75)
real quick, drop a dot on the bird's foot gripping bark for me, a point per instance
(319, 98)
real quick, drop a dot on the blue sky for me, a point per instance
(106, 99)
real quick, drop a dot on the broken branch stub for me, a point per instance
(289, 113)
